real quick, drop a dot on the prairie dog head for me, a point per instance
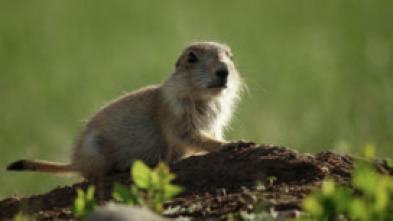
(205, 70)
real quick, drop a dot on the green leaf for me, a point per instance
(158, 203)
(121, 193)
(389, 163)
(171, 191)
(365, 179)
(154, 181)
(342, 198)
(141, 174)
(272, 178)
(369, 151)
(79, 203)
(136, 196)
(381, 195)
(84, 202)
(130, 196)
(78, 207)
(164, 173)
(328, 187)
(312, 205)
(358, 209)
(90, 193)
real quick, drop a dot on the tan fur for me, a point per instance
(185, 114)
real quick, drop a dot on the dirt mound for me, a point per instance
(217, 184)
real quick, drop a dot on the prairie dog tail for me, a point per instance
(40, 166)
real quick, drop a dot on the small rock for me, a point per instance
(123, 213)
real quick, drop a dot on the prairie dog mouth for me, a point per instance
(217, 85)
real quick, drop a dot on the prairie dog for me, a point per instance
(185, 114)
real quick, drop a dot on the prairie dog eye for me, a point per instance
(192, 58)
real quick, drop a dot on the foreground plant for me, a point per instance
(370, 199)
(152, 187)
(84, 203)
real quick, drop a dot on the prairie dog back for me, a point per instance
(185, 114)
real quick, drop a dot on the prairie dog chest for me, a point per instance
(204, 117)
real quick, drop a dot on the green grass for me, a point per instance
(319, 73)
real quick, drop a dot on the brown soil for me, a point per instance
(217, 184)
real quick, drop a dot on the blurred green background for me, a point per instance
(319, 73)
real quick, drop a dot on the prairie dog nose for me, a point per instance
(222, 73)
